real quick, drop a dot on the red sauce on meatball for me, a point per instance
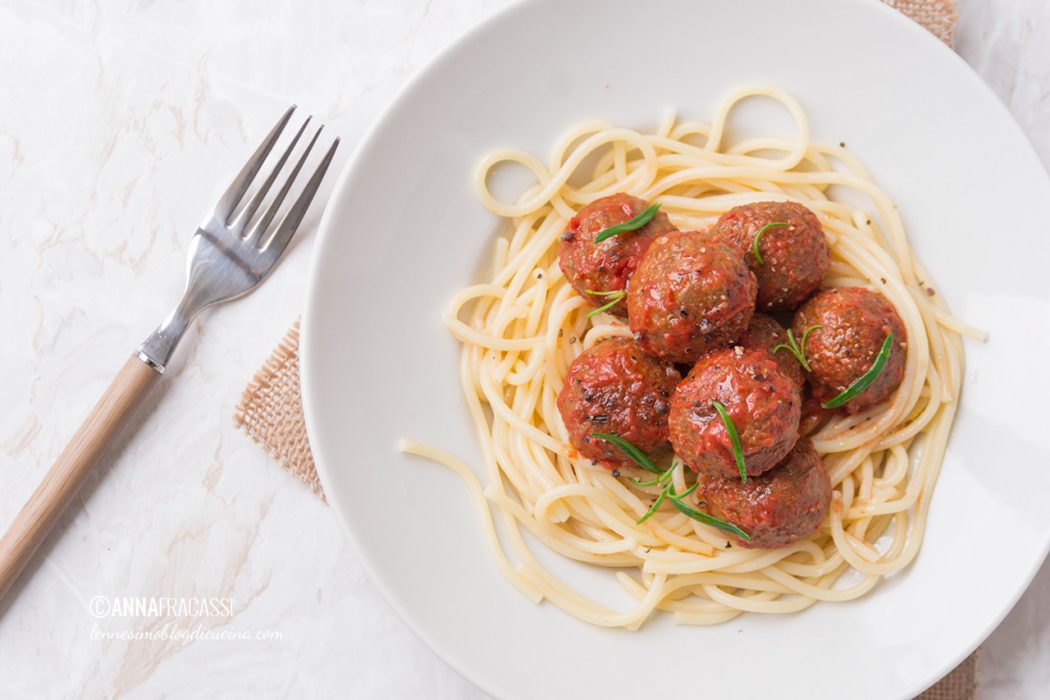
(765, 333)
(691, 293)
(814, 416)
(854, 323)
(607, 266)
(616, 388)
(761, 400)
(794, 257)
(777, 508)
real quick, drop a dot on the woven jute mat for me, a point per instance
(271, 410)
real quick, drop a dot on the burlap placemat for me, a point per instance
(271, 412)
(938, 16)
(271, 409)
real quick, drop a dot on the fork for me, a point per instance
(229, 255)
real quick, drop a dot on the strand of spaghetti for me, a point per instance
(466, 334)
(938, 343)
(918, 423)
(810, 571)
(566, 598)
(718, 124)
(552, 536)
(756, 604)
(695, 584)
(501, 409)
(553, 182)
(476, 492)
(662, 529)
(796, 585)
(732, 561)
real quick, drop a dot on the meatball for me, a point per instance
(765, 333)
(763, 404)
(814, 416)
(777, 508)
(607, 266)
(794, 257)
(690, 294)
(616, 388)
(853, 324)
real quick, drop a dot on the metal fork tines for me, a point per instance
(236, 247)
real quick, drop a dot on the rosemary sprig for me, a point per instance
(658, 481)
(680, 496)
(666, 492)
(797, 349)
(709, 519)
(864, 381)
(614, 297)
(653, 508)
(629, 225)
(754, 242)
(734, 437)
(664, 478)
(636, 455)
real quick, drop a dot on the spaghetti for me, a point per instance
(522, 329)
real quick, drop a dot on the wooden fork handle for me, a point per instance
(61, 483)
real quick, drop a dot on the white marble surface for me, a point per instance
(119, 121)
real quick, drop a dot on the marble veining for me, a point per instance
(119, 122)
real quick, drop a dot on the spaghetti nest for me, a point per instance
(522, 329)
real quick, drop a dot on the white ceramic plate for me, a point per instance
(403, 232)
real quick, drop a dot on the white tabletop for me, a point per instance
(119, 123)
